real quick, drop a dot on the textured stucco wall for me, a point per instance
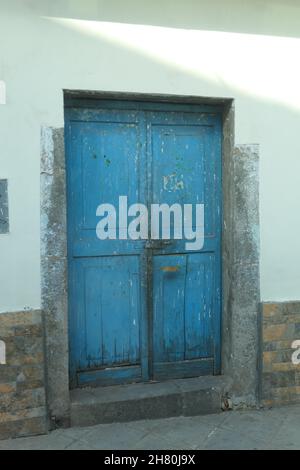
(243, 50)
(241, 286)
(54, 272)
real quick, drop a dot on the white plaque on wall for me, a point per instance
(2, 92)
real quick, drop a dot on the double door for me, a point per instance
(142, 309)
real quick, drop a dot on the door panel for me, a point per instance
(186, 284)
(107, 298)
(105, 163)
(110, 297)
(183, 307)
(108, 310)
(186, 166)
(108, 160)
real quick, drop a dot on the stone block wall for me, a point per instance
(280, 374)
(22, 377)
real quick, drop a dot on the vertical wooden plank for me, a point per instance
(199, 307)
(93, 338)
(168, 312)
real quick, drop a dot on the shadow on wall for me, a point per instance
(263, 67)
(265, 17)
(261, 72)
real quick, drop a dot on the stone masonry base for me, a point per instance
(22, 377)
(23, 408)
(280, 376)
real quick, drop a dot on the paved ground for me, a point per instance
(278, 428)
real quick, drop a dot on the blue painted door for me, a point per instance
(185, 155)
(142, 309)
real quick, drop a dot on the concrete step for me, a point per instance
(152, 400)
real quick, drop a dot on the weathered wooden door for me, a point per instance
(142, 309)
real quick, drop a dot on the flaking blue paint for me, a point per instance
(131, 319)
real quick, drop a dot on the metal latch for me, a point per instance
(170, 269)
(157, 244)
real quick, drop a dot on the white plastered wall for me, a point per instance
(222, 48)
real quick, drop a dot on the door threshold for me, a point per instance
(151, 400)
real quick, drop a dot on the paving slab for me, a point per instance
(277, 428)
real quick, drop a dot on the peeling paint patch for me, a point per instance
(172, 183)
